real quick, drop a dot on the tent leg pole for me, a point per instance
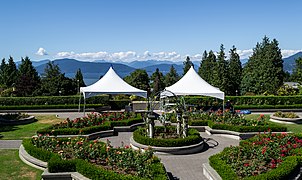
(79, 110)
(84, 106)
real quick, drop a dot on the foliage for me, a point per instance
(54, 83)
(140, 136)
(13, 116)
(79, 79)
(171, 77)
(223, 72)
(187, 65)
(286, 90)
(139, 79)
(263, 73)
(297, 72)
(286, 114)
(28, 80)
(208, 68)
(157, 79)
(260, 155)
(235, 72)
(68, 154)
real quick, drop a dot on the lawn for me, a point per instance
(13, 168)
(28, 130)
(295, 128)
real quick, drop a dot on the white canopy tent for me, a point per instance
(192, 84)
(111, 83)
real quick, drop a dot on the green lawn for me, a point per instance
(13, 168)
(28, 130)
(295, 128)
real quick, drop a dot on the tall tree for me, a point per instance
(28, 79)
(79, 79)
(235, 72)
(187, 65)
(205, 67)
(139, 79)
(3, 67)
(222, 80)
(212, 72)
(263, 73)
(171, 77)
(10, 73)
(157, 79)
(55, 83)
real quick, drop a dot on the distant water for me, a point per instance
(89, 81)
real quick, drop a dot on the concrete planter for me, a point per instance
(285, 120)
(22, 121)
(195, 148)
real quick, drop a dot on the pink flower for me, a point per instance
(246, 164)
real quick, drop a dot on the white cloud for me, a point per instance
(41, 52)
(129, 56)
(285, 52)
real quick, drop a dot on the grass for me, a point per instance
(20, 132)
(295, 128)
(13, 168)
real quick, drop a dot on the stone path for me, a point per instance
(184, 166)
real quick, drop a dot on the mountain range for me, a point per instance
(92, 71)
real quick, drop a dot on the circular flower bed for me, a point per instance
(291, 115)
(259, 155)
(285, 117)
(166, 137)
(16, 119)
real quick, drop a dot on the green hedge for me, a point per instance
(274, 128)
(52, 100)
(139, 136)
(88, 130)
(56, 164)
(198, 122)
(283, 171)
(28, 107)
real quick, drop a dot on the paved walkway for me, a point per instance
(10, 144)
(184, 166)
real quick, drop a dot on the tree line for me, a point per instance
(262, 74)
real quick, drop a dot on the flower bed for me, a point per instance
(268, 156)
(140, 136)
(94, 159)
(291, 115)
(91, 123)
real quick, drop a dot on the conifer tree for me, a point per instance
(297, 71)
(171, 77)
(222, 80)
(212, 72)
(187, 65)
(139, 79)
(263, 73)
(79, 78)
(205, 67)
(235, 72)
(158, 81)
(3, 67)
(10, 73)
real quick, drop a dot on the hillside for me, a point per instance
(289, 62)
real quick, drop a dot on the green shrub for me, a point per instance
(56, 164)
(286, 114)
(198, 123)
(139, 136)
(127, 122)
(27, 107)
(225, 171)
(38, 153)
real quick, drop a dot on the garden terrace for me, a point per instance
(94, 159)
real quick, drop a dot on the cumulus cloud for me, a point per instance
(285, 52)
(244, 54)
(41, 52)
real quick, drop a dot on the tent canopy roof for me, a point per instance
(192, 84)
(111, 83)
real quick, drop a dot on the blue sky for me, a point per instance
(126, 30)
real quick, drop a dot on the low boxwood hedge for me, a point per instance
(272, 127)
(198, 123)
(290, 165)
(56, 164)
(127, 122)
(139, 136)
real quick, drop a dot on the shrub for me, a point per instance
(56, 164)
(198, 123)
(36, 152)
(286, 114)
(139, 136)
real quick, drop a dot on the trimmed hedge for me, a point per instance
(88, 130)
(283, 171)
(139, 136)
(198, 122)
(56, 164)
(27, 107)
(274, 128)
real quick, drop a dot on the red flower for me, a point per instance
(246, 164)
(263, 149)
(282, 155)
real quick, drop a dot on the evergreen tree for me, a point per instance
(235, 72)
(171, 77)
(157, 79)
(222, 81)
(212, 72)
(3, 67)
(139, 79)
(55, 83)
(28, 79)
(79, 79)
(205, 67)
(10, 73)
(263, 73)
(187, 65)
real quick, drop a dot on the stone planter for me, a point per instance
(285, 120)
(22, 121)
(195, 148)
